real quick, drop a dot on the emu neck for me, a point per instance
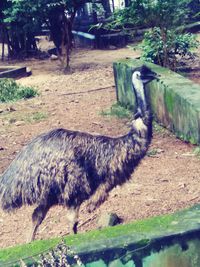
(140, 96)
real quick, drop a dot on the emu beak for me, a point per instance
(150, 77)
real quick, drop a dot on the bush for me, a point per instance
(11, 91)
(167, 48)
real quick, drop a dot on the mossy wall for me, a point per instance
(164, 241)
(174, 100)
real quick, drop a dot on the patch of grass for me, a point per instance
(197, 151)
(118, 111)
(11, 91)
(153, 152)
(37, 116)
(198, 36)
(158, 128)
(28, 118)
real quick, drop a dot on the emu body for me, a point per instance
(64, 167)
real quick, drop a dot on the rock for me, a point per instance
(19, 123)
(54, 57)
(97, 124)
(112, 47)
(12, 120)
(108, 219)
(1, 110)
(11, 109)
(28, 71)
(74, 101)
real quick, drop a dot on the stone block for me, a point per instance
(174, 99)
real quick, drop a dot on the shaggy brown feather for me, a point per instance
(64, 167)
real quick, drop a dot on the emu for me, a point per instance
(64, 167)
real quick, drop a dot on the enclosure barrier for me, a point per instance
(12, 71)
(164, 241)
(175, 100)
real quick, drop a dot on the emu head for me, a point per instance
(140, 77)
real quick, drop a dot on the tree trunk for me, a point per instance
(127, 3)
(106, 6)
(2, 32)
(61, 33)
(113, 5)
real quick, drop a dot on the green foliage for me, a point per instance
(167, 48)
(163, 44)
(23, 19)
(118, 111)
(197, 151)
(194, 7)
(37, 116)
(26, 92)
(11, 91)
(150, 13)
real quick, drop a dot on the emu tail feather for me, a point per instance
(15, 193)
(17, 186)
(10, 196)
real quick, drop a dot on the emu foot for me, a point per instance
(75, 230)
(31, 236)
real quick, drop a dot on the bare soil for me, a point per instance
(166, 181)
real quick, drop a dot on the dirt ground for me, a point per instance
(164, 182)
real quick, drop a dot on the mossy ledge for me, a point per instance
(144, 237)
(174, 99)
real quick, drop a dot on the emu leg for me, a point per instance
(98, 197)
(37, 217)
(73, 219)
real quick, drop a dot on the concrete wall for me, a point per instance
(171, 240)
(175, 100)
(174, 256)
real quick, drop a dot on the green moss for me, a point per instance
(27, 250)
(174, 99)
(139, 233)
(192, 140)
(197, 151)
(140, 227)
(169, 101)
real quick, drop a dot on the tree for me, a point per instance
(20, 22)
(60, 17)
(23, 19)
(164, 42)
(3, 34)
(194, 10)
(152, 13)
(106, 6)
